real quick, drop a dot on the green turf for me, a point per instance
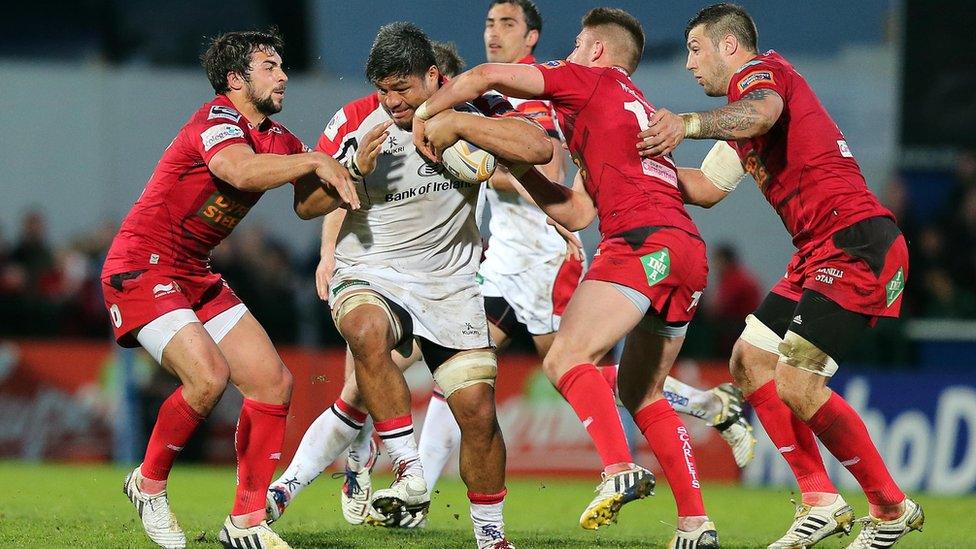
(83, 506)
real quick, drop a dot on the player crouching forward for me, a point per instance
(646, 279)
(405, 270)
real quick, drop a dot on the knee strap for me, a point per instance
(353, 300)
(759, 335)
(466, 369)
(798, 352)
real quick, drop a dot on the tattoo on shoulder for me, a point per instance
(736, 119)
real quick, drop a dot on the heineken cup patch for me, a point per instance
(657, 265)
(894, 286)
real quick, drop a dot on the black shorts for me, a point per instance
(833, 329)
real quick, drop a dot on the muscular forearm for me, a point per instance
(697, 189)
(748, 117)
(465, 87)
(330, 232)
(570, 208)
(513, 140)
(313, 199)
(262, 172)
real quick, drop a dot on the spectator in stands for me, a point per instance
(32, 251)
(737, 293)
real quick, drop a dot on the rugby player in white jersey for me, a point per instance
(405, 271)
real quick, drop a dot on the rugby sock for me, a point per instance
(260, 435)
(321, 444)
(438, 439)
(486, 515)
(397, 436)
(175, 423)
(671, 444)
(609, 373)
(795, 442)
(692, 401)
(587, 392)
(359, 450)
(843, 433)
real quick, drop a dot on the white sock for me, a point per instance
(692, 401)
(323, 442)
(486, 518)
(359, 453)
(398, 439)
(438, 439)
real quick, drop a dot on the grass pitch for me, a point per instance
(83, 506)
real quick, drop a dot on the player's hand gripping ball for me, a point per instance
(465, 161)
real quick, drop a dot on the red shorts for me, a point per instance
(136, 298)
(666, 264)
(567, 280)
(863, 268)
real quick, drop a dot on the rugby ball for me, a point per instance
(468, 163)
(465, 161)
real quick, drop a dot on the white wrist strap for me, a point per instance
(722, 167)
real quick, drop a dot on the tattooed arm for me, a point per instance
(750, 116)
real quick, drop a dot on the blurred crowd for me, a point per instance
(52, 288)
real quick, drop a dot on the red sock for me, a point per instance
(588, 393)
(843, 433)
(610, 374)
(175, 424)
(671, 445)
(793, 439)
(260, 435)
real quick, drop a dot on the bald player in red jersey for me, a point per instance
(162, 295)
(849, 268)
(649, 270)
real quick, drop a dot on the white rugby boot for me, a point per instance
(732, 424)
(357, 488)
(405, 501)
(812, 523)
(614, 492)
(703, 537)
(260, 536)
(879, 534)
(157, 519)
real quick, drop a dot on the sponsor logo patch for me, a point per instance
(215, 135)
(223, 212)
(159, 290)
(553, 64)
(220, 111)
(754, 78)
(895, 286)
(845, 151)
(657, 265)
(332, 128)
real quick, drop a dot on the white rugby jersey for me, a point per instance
(414, 218)
(520, 237)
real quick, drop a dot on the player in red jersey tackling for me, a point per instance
(649, 270)
(162, 295)
(848, 270)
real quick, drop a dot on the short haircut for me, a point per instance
(723, 19)
(625, 21)
(449, 61)
(231, 52)
(400, 49)
(533, 20)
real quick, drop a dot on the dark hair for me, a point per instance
(449, 61)
(231, 52)
(615, 16)
(400, 49)
(724, 19)
(533, 20)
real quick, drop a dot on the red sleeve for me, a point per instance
(756, 75)
(337, 138)
(216, 128)
(494, 105)
(567, 83)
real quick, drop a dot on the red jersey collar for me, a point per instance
(527, 60)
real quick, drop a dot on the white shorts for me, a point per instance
(531, 293)
(448, 311)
